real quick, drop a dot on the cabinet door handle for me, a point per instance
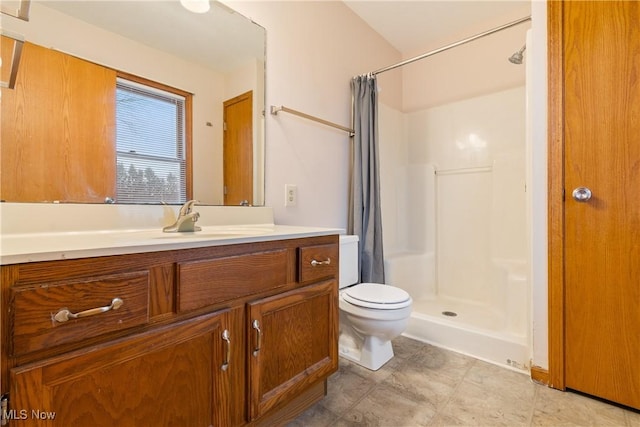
(64, 315)
(316, 262)
(227, 356)
(256, 326)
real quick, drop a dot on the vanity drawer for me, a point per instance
(212, 281)
(317, 262)
(34, 310)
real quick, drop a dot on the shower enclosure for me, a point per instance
(454, 215)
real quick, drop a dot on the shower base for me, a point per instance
(471, 329)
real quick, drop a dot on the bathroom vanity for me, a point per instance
(197, 330)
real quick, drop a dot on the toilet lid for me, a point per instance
(375, 295)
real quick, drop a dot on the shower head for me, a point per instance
(517, 57)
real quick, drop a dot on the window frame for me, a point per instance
(188, 122)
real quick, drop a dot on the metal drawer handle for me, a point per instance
(256, 326)
(64, 315)
(316, 262)
(227, 357)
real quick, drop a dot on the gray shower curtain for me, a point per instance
(365, 218)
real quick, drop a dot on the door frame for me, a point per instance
(555, 196)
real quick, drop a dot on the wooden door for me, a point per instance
(238, 149)
(601, 48)
(168, 377)
(293, 345)
(54, 153)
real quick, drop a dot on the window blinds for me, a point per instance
(150, 144)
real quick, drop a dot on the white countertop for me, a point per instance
(31, 232)
(47, 246)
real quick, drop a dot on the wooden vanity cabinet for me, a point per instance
(218, 336)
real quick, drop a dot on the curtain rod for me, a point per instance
(452, 45)
(275, 110)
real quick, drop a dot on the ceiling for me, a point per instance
(411, 25)
(167, 26)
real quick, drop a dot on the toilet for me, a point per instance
(371, 314)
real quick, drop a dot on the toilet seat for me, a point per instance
(376, 295)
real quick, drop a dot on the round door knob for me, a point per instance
(581, 194)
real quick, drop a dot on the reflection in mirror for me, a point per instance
(60, 126)
(16, 8)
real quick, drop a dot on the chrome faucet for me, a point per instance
(186, 220)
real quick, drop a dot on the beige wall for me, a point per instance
(314, 48)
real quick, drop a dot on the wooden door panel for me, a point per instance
(238, 149)
(177, 372)
(298, 345)
(601, 45)
(51, 153)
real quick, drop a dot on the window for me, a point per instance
(151, 143)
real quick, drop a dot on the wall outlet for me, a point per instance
(290, 195)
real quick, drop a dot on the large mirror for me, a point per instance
(216, 58)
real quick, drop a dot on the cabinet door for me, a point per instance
(172, 376)
(293, 343)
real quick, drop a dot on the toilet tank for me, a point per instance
(348, 261)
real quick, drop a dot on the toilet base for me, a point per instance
(371, 353)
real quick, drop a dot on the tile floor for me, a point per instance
(425, 385)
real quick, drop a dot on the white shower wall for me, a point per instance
(485, 131)
(463, 228)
